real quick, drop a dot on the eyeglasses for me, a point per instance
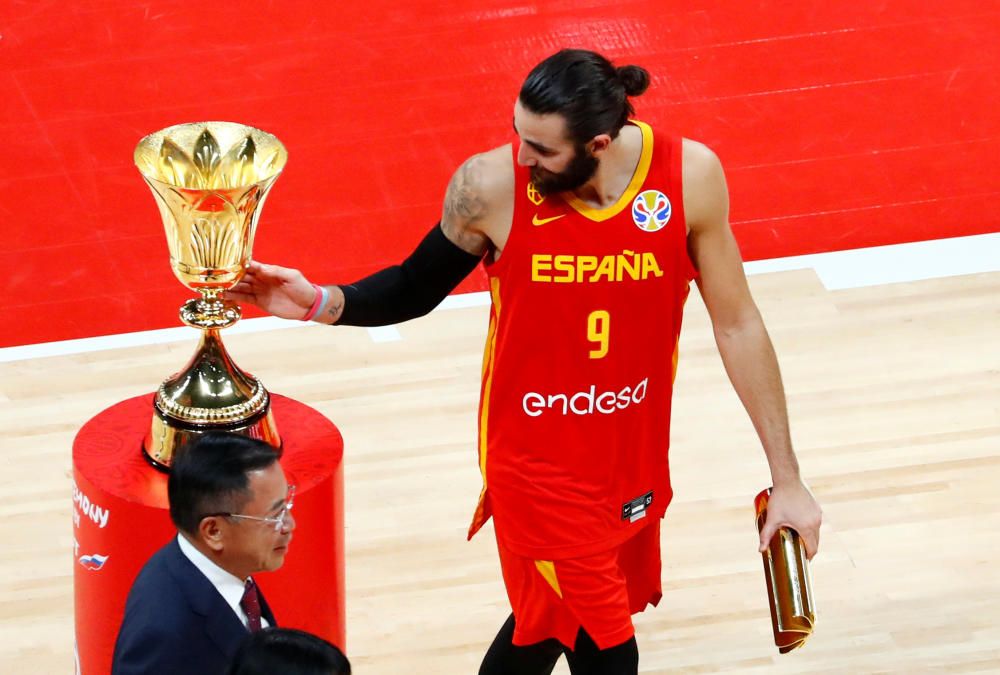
(278, 520)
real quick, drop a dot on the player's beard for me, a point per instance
(579, 170)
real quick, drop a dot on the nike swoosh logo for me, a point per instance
(536, 221)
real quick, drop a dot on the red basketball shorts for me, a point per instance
(599, 593)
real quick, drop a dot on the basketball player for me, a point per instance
(591, 225)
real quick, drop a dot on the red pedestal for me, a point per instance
(120, 519)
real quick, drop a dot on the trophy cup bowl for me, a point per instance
(789, 589)
(210, 180)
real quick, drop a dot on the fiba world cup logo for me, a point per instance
(651, 210)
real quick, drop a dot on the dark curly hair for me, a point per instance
(586, 89)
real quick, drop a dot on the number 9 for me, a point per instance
(598, 331)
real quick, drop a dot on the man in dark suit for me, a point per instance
(195, 602)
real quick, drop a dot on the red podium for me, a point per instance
(120, 519)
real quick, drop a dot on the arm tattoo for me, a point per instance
(462, 204)
(465, 208)
(334, 310)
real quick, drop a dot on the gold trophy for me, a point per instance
(789, 590)
(210, 180)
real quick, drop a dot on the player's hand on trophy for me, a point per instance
(280, 291)
(793, 505)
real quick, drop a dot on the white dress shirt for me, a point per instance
(228, 586)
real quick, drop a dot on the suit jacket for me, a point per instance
(177, 622)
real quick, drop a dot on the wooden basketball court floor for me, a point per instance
(895, 408)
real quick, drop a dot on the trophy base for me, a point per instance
(166, 435)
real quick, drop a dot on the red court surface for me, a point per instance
(842, 125)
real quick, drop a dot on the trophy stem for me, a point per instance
(211, 393)
(210, 312)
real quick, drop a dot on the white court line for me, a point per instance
(139, 339)
(463, 300)
(384, 334)
(837, 270)
(895, 263)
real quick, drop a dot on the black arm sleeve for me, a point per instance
(411, 289)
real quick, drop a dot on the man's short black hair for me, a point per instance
(586, 89)
(289, 652)
(209, 475)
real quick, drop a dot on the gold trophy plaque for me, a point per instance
(210, 180)
(789, 590)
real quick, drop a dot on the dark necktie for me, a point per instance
(251, 605)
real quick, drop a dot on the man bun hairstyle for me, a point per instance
(209, 475)
(634, 79)
(585, 88)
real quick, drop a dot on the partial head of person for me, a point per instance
(230, 499)
(570, 110)
(288, 652)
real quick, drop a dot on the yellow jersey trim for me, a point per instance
(547, 569)
(489, 357)
(638, 178)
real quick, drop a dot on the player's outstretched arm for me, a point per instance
(474, 203)
(743, 342)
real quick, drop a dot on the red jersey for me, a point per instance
(580, 361)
